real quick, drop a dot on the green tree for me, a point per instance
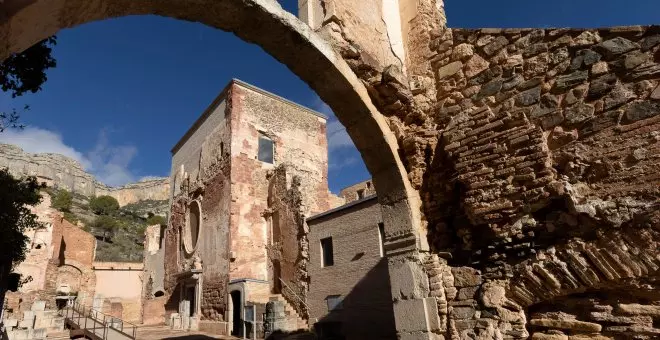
(26, 71)
(62, 201)
(16, 195)
(107, 225)
(104, 205)
(156, 219)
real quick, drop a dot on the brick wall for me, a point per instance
(352, 193)
(359, 273)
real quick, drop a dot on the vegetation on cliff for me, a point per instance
(119, 230)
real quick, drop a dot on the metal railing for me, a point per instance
(98, 324)
(294, 294)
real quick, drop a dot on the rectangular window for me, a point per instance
(266, 150)
(381, 238)
(327, 256)
(334, 302)
(360, 194)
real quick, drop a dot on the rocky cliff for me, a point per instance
(65, 173)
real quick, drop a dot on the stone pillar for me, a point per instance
(311, 12)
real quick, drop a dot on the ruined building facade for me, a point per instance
(252, 164)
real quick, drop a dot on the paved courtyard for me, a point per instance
(163, 332)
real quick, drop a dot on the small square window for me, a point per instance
(266, 150)
(335, 302)
(327, 255)
(360, 194)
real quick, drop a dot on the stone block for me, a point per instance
(214, 327)
(543, 336)
(19, 334)
(449, 69)
(39, 333)
(26, 324)
(434, 323)
(467, 293)
(411, 315)
(466, 277)
(38, 306)
(463, 312)
(573, 325)
(408, 279)
(9, 323)
(28, 315)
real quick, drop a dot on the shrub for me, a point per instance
(71, 217)
(62, 201)
(104, 205)
(156, 219)
(107, 225)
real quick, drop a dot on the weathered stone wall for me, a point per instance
(359, 274)
(525, 145)
(201, 173)
(288, 246)
(299, 138)
(539, 179)
(120, 284)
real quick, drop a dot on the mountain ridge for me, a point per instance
(62, 172)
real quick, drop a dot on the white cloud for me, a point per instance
(110, 164)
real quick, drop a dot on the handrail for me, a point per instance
(105, 320)
(294, 293)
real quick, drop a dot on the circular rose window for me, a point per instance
(193, 226)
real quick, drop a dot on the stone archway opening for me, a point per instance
(290, 41)
(287, 39)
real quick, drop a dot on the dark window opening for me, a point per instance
(266, 150)
(327, 256)
(334, 302)
(276, 226)
(368, 185)
(381, 237)
(360, 194)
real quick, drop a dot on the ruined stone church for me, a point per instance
(244, 177)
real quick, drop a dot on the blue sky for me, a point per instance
(125, 90)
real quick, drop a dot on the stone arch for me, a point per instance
(86, 278)
(283, 36)
(613, 259)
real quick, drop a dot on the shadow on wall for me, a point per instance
(366, 312)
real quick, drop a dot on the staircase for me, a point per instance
(294, 320)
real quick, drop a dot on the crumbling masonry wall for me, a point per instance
(289, 244)
(299, 138)
(534, 152)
